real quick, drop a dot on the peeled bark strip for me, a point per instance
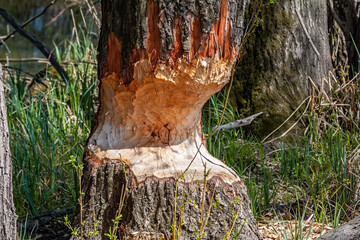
(159, 62)
(7, 210)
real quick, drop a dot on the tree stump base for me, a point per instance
(149, 206)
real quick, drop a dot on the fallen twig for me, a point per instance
(238, 123)
(36, 42)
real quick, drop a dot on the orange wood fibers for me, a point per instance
(195, 36)
(201, 45)
(221, 26)
(114, 60)
(228, 53)
(215, 40)
(177, 51)
(153, 37)
(114, 55)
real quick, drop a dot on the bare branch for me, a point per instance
(36, 43)
(27, 22)
(238, 123)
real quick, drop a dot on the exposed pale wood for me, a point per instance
(157, 119)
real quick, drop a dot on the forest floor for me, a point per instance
(276, 230)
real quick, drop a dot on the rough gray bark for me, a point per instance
(347, 231)
(149, 207)
(159, 62)
(7, 210)
(273, 76)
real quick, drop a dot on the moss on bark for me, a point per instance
(273, 74)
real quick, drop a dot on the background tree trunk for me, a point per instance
(7, 210)
(273, 76)
(346, 231)
(159, 62)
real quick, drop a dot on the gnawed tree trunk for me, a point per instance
(159, 62)
(7, 210)
(273, 76)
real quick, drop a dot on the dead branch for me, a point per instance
(238, 123)
(36, 43)
(27, 22)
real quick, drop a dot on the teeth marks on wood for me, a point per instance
(208, 12)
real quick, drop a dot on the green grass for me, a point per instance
(318, 169)
(47, 128)
(313, 174)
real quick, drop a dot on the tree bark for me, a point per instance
(347, 231)
(7, 210)
(159, 62)
(298, 40)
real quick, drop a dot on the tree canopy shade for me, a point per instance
(159, 62)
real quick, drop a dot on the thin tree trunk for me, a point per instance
(7, 210)
(159, 62)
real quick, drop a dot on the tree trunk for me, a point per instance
(159, 62)
(273, 76)
(7, 210)
(347, 231)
